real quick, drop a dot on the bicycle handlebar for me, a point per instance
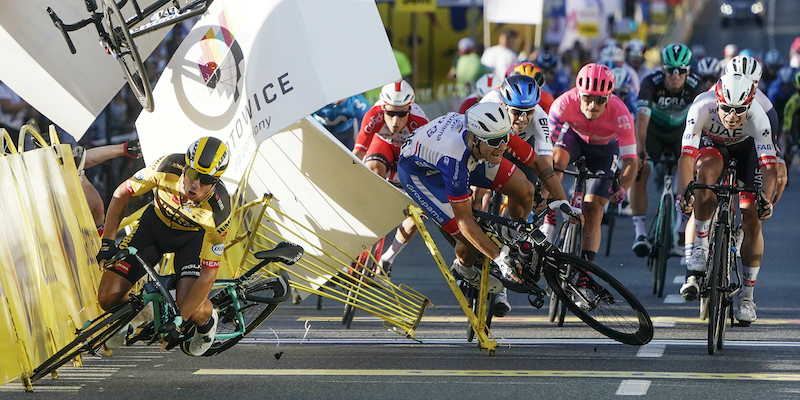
(60, 25)
(761, 201)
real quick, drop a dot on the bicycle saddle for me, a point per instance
(285, 252)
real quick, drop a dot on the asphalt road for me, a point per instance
(303, 353)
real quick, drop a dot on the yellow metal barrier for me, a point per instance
(48, 275)
(486, 341)
(400, 307)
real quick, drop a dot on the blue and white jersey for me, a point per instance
(440, 147)
(338, 118)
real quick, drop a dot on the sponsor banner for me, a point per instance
(250, 68)
(69, 89)
(527, 12)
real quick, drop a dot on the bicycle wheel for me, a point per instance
(717, 290)
(472, 299)
(89, 338)
(607, 306)
(124, 50)
(613, 210)
(572, 245)
(663, 244)
(554, 308)
(254, 310)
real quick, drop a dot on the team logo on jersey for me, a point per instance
(765, 133)
(690, 121)
(218, 248)
(139, 175)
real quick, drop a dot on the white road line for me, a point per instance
(679, 279)
(651, 350)
(633, 387)
(674, 299)
(524, 342)
(663, 324)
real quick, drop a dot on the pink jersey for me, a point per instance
(374, 124)
(615, 123)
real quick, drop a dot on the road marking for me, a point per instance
(674, 299)
(633, 387)
(545, 321)
(679, 279)
(651, 350)
(518, 342)
(663, 323)
(503, 373)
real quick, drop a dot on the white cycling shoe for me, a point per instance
(473, 276)
(201, 342)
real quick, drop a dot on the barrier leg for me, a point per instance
(486, 341)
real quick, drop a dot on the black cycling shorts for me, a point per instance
(152, 239)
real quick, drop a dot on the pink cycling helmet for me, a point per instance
(595, 79)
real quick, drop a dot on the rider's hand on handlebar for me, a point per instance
(107, 250)
(618, 196)
(766, 210)
(506, 265)
(683, 205)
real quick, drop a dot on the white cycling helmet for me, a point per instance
(735, 90)
(485, 84)
(612, 53)
(397, 94)
(746, 65)
(635, 48)
(709, 66)
(488, 120)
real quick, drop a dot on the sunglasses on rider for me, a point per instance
(399, 114)
(709, 78)
(192, 174)
(622, 93)
(518, 112)
(726, 109)
(496, 141)
(680, 70)
(597, 99)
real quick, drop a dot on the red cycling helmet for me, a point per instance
(595, 79)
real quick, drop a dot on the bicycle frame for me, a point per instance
(662, 228)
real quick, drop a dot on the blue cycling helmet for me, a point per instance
(622, 79)
(608, 63)
(520, 91)
(547, 60)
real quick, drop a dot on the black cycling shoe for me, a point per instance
(641, 247)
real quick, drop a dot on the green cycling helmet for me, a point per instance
(676, 55)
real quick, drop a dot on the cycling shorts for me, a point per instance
(152, 239)
(383, 151)
(659, 139)
(747, 169)
(600, 159)
(428, 191)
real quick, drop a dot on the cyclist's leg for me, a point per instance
(407, 228)
(638, 193)
(752, 247)
(118, 279)
(379, 157)
(599, 158)
(194, 279)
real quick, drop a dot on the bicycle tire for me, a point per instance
(125, 52)
(615, 312)
(553, 309)
(473, 304)
(254, 310)
(572, 245)
(612, 218)
(91, 337)
(663, 246)
(716, 307)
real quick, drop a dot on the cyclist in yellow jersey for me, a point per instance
(189, 216)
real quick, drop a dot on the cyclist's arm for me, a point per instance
(641, 124)
(117, 209)
(544, 170)
(630, 166)
(369, 125)
(471, 231)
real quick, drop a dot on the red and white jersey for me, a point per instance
(615, 123)
(703, 120)
(537, 134)
(374, 124)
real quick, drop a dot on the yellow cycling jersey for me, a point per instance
(791, 108)
(212, 214)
